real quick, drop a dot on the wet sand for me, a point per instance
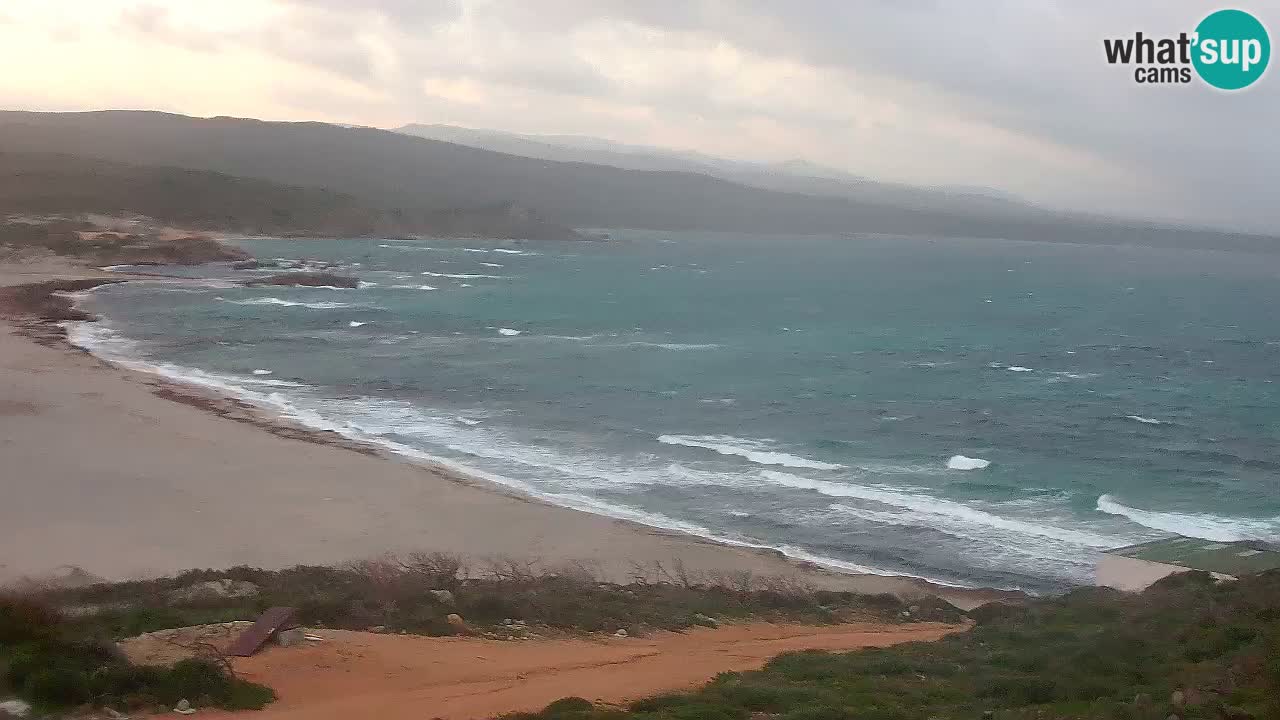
(120, 474)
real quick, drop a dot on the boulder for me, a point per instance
(621, 633)
(1177, 699)
(223, 589)
(442, 596)
(290, 637)
(184, 707)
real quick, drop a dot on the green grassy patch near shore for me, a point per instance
(1188, 647)
(417, 594)
(54, 663)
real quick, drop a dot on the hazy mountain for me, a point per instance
(54, 184)
(795, 176)
(388, 169)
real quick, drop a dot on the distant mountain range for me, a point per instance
(792, 176)
(391, 171)
(44, 184)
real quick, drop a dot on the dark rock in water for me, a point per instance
(251, 264)
(307, 279)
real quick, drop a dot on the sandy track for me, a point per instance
(359, 675)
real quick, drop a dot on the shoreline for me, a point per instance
(617, 547)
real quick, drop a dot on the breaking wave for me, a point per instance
(1200, 525)
(756, 451)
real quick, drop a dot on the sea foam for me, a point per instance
(756, 451)
(1199, 525)
(960, 462)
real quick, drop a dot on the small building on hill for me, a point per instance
(1137, 567)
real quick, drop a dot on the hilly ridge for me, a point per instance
(421, 175)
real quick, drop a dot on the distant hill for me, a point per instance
(793, 176)
(387, 169)
(48, 184)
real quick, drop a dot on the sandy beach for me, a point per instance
(120, 474)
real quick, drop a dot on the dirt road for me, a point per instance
(389, 677)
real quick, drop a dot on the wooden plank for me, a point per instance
(267, 624)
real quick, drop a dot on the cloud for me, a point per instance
(1012, 94)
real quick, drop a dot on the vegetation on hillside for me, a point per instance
(1188, 648)
(48, 183)
(53, 663)
(417, 593)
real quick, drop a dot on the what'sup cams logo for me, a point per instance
(1229, 50)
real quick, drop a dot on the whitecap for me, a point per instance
(924, 506)
(461, 276)
(289, 303)
(756, 451)
(960, 462)
(1199, 525)
(1144, 420)
(509, 332)
(355, 324)
(261, 372)
(489, 264)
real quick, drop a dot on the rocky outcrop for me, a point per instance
(222, 589)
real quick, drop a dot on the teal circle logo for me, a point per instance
(1231, 49)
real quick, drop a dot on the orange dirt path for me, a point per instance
(365, 675)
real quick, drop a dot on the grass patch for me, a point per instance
(416, 594)
(51, 663)
(1091, 653)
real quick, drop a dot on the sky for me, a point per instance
(1014, 95)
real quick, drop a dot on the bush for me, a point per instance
(57, 686)
(24, 620)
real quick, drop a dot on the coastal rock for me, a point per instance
(307, 279)
(442, 596)
(291, 637)
(223, 589)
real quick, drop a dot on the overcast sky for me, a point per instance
(1014, 95)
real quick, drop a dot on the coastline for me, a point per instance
(188, 489)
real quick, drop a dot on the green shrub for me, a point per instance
(567, 706)
(57, 686)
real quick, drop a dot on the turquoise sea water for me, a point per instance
(972, 411)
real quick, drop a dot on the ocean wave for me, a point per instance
(103, 341)
(356, 324)
(1199, 525)
(1010, 368)
(508, 332)
(489, 264)
(326, 305)
(462, 276)
(926, 506)
(379, 422)
(756, 451)
(1144, 420)
(414, 287)
(960, 462)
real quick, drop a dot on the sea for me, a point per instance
(976, 412)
